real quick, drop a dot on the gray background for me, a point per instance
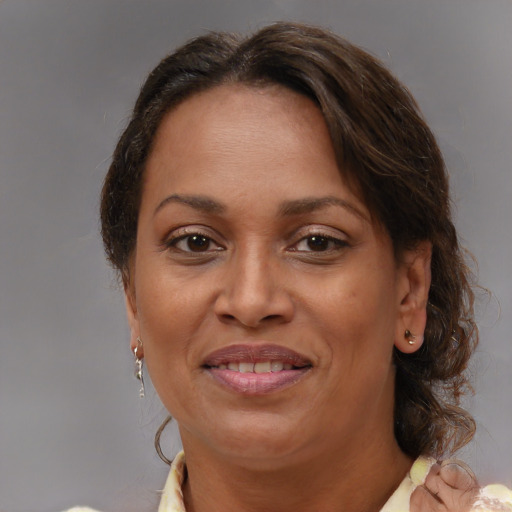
(72, 429)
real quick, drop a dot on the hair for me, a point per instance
(384, 149)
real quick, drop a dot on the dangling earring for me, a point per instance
(409, 336)
(138, 367)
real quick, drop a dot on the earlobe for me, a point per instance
(413, 298)
(409, 342)
(133, 322)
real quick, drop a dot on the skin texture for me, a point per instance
(234, 167)
(449, 487)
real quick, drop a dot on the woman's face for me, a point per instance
(267, 300)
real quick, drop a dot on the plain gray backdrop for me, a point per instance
(72, 428)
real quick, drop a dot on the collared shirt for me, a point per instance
(492, 498)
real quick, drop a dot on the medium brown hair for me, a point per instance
(384, 149)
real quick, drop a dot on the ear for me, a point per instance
(133, 321)
(414, 286)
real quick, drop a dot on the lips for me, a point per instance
(256, 369)
(259, 367)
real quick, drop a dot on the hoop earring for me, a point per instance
(138, 368)
(158, 434)
(410, 337)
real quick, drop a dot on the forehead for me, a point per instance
(244, 113)
(252, 140)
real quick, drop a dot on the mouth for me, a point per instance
(256, 369)
(260, 367)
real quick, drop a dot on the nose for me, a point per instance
(254, 292)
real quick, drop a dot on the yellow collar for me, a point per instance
(172, 495)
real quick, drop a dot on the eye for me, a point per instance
(194, 243)
(319, 243)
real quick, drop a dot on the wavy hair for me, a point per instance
(384, 149)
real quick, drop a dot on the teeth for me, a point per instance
(261, 367)
(276, 366)
(246, 368)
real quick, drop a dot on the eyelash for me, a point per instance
(334, 244)
(173, 242)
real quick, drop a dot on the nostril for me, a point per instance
(253, 309)
(226, 317)
(270, 317)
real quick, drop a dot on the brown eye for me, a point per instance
(194, 243)
(318, 243)
(197, 243)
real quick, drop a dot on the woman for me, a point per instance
(279, 213)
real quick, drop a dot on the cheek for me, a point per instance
(356, 315)
(171, 314)
(165, 299)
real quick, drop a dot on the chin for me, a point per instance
(255, 441)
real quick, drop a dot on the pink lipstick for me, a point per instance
(256, 369)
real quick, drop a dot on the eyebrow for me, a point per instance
(205, 204)
(287, 208)
(311, 204)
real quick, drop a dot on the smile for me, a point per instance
(256, 369)
(261, 367)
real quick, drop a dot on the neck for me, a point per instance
(357, 477)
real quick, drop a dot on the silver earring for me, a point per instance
(409, 336)
(138, 368)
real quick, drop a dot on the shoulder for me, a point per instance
(172, 496)
(81, 509)
(451, 486)
(494, 497)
